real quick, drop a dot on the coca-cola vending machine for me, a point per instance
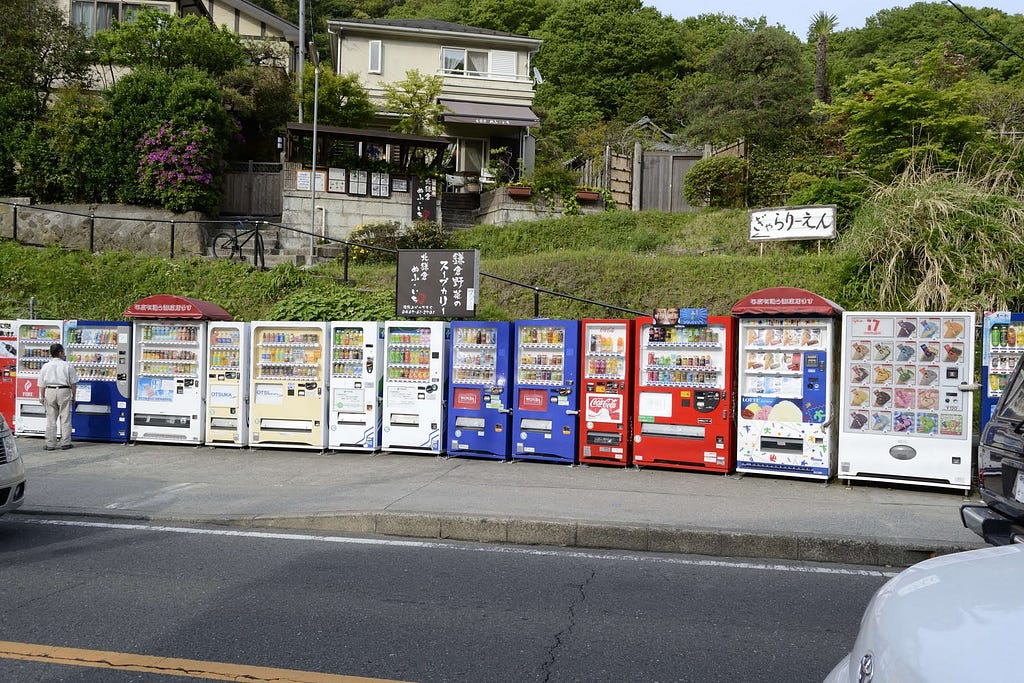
(606, 369)
(8, 368)
(684, 414)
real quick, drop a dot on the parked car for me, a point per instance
(12, 471)
(943, 619)
(1000, 519)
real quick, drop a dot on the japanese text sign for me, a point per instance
(437, 283)
(793, 223)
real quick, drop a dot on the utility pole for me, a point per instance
(302, 49)
(315, 58)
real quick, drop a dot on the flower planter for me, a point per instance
(587, 196)
(519, 192)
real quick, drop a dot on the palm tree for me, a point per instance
(822, 24)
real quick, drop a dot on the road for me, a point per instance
(404, 610)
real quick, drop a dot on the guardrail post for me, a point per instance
(346, 263)
(172, 238)
(14, 226)
(536, 303)
(92, 232)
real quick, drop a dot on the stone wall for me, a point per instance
(104, 227)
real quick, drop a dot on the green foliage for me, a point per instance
(263, 99)
(169, 42)
(333, 301)
(718, 182)
(414, 99)
(390, 236)
(177, 168)
(342, 102)
(848, 194)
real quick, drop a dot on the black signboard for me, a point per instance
(437, 283)
(424, 199)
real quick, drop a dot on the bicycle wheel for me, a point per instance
(225, 245)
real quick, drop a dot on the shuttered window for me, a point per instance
(375, 57)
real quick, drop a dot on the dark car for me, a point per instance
(1000, 521)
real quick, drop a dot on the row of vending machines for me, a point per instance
(752, 392)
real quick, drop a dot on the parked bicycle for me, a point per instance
(230, 243)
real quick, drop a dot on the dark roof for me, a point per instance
(432, 25)
(368, 134)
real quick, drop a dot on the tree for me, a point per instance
(414, 99)
(822, 24)
(262, 98)
(343, 101)
(757, 87)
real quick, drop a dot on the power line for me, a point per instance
(984, 30)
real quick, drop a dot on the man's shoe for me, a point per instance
(49, 448)
(66, 447)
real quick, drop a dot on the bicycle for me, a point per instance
(230, 244)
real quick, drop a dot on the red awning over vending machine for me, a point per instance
(171, 306)
(785, 301)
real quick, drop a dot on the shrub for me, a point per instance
(382, 239)
(718, 182)
(847, 195)
(176, 168)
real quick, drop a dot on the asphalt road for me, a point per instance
(405, 610)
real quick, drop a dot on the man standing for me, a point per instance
(57, 385)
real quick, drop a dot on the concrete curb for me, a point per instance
(567, 534)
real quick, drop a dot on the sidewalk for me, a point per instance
(422, 496)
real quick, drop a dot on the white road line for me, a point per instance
(514, 550)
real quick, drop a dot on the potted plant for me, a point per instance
(519, 189)
(585, 193)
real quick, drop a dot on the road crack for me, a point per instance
(563, 635)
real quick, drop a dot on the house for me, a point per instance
(243, 18)
(488, 84)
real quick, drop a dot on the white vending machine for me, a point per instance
(34, 339)
(908, 398)
(288, 386)
(415, 386)
(786, 384)
(168, 361)
(354, 410)
(227, 384)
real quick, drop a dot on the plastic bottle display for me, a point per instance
(35, 346)
(288, 355)
(162, 353)
(541, 357)
(1006, 344)
(475, 355)
(606, 353)
(93, 352)
(347, 352)
(409, 354)
(225, 352)
(672, 357)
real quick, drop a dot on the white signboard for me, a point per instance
(302, 180)
(793, 223)
(270, 394)
(223, 395)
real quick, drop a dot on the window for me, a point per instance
(463, 62)
(375, 57)
(99, 15)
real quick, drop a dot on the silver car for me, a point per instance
(957, 617)
(12, 471)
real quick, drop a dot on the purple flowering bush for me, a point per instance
(178, 167)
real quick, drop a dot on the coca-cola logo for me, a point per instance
(609, 402)
(604, 408)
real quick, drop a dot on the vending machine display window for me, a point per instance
(541, 360)
(288, 355)
(347, 352)
(409, 354)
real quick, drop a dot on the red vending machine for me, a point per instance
(8, 368)
(606, 369)
(684, 411)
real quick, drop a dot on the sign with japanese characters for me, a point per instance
(793, 223)
(437, 283)
(424, 199)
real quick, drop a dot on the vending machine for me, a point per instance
(34, 340)
(908, 398)
(480, 391)
(545, 411)
(606, 369)
(1002, 343)
(684, 414)
(415, 386)
(354, 410)
(288, 388)
(786, 371)
(8, 368)
(227, 384)
(101, 353)
(167, 367)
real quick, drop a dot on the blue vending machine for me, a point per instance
(480, 391)
(545, 409)
(101, 353)
(1002, 343)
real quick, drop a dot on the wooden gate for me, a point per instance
(662, 186)
(252, 188)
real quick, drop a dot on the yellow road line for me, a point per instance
(171, 666)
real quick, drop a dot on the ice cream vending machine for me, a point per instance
(8, 368)
(415, 386)
(168, 369)
(227, 383)
(545, 408)
(786, 371)
(480, 391)
(288, 385)
(606, 371)
(908, 398)
(684, 416)
(357, 366)
(33, 349)
(1002, 343)
(101, 353)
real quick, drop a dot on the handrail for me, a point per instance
(258, 251)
